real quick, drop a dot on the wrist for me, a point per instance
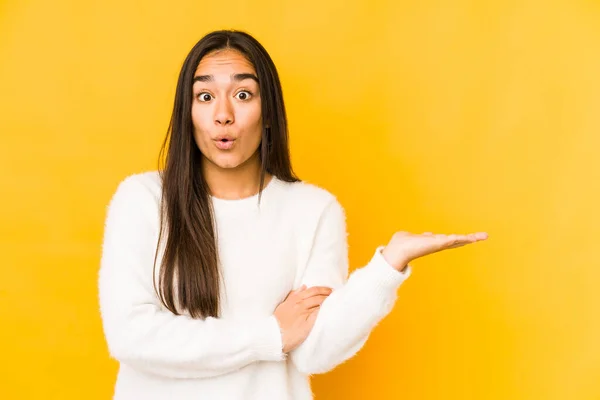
(399, 263)
(281, 334)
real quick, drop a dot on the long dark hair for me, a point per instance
(189, 277)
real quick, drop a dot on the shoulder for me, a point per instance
(310, 200)
(148, 181)
(139, 190)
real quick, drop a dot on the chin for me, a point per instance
(230, 160)
(228, 163)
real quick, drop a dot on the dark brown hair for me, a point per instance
(189, 277)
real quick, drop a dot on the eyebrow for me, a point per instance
(234, 77)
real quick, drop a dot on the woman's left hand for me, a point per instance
(405, 246)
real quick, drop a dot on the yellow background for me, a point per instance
(449, 116)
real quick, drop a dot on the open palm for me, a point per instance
(405, 246)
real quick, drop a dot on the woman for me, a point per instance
(223, 276)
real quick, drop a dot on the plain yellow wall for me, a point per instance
(449, 116)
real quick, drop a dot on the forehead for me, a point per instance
(224, 62)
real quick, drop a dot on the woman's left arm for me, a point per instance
(357, 304)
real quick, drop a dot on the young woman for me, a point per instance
(223, 276)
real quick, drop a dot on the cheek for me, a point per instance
(253, 120)
(198, 118)
(201, 123)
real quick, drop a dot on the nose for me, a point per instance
(223, 113)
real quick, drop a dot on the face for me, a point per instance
(226, 110)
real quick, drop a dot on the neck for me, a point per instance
(234, 183)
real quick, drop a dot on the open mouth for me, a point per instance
(224, 144)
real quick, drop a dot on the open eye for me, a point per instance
(204, 97)
(243, 95)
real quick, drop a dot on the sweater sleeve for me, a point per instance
(139, 331)
(356, 305)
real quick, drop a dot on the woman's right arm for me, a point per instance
(139, 332)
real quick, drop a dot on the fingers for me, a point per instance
(295, 291)
(314, 301)
(479, 235)
(315, 291)
(301, 288)
(471, 237)
(453, 241)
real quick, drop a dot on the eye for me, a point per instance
(243, 95)
(204, 97)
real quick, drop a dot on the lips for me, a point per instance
(224, 142)
(224, 138)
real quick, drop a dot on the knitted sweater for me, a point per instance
(296, 235)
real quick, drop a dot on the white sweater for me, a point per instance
(297, 236)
